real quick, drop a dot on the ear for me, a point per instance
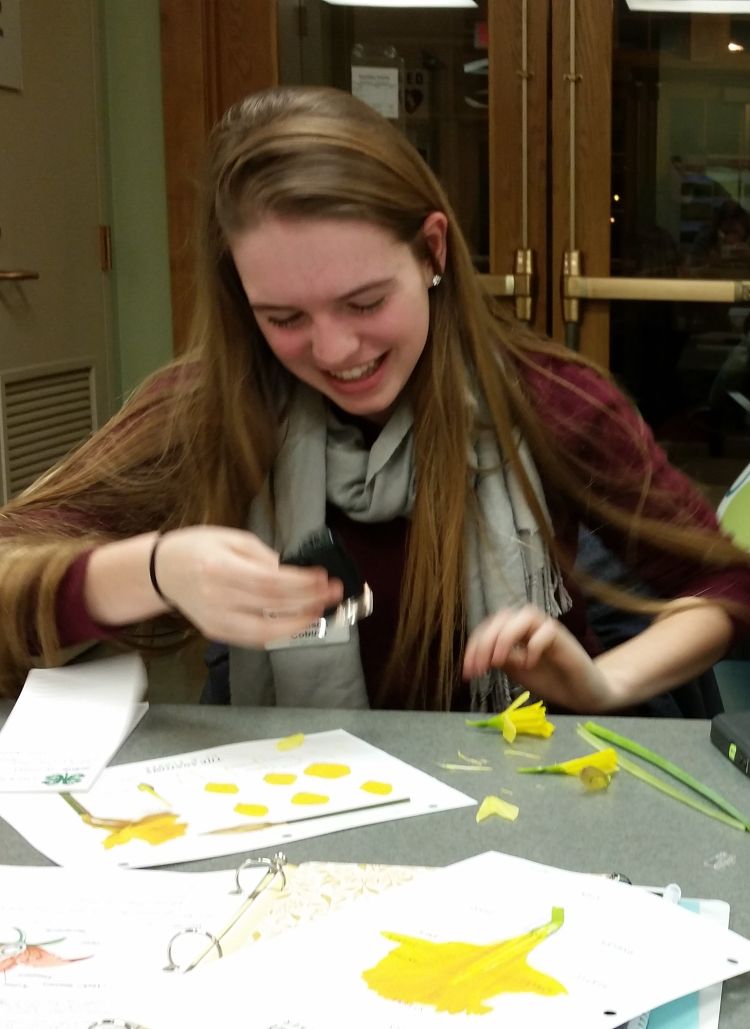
(435, 232)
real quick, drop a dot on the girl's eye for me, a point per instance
(285, 323)
(367, 308)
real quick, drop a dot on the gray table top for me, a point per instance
(629, 828)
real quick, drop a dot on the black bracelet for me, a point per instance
(152, 572)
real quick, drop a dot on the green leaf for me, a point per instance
(727, 813)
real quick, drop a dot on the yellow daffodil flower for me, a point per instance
(528, 720)
(603, 760)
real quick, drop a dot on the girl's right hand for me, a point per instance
(232, 588)
(226, 582)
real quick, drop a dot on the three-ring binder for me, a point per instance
(274, 866)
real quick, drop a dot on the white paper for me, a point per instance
(617, 952)
(68, 722)
(88, 932)
(172, 809)
(378, 87)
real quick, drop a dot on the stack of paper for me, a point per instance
(517, 943)
(68, 722)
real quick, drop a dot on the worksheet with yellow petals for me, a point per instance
(227, 800)
(494, 941)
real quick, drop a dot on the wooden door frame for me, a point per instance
(505, 24)
(593, 158)
(213, 52)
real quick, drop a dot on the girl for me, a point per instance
(346, 369)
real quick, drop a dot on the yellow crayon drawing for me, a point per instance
(221, 787)
(382, 789)
(460, 978)
(310, 798)
(251, 809)
(327, 770)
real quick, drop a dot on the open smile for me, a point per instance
(361, 371)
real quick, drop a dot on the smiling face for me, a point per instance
(342, 304)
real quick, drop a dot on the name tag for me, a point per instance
(312, 637)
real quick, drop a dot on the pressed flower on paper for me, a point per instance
(154, 829)
(462, 978)
(519, 718)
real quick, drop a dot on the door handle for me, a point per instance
(17, 275)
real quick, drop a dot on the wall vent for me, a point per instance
(45, 412)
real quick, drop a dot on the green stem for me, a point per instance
(737, 821)
(78, 808)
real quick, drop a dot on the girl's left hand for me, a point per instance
(540, 654)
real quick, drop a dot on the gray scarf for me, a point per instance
(322, 460)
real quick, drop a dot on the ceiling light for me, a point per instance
(691, 6)
(402, 3)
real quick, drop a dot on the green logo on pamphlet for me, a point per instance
(66, 779)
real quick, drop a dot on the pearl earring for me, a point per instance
(436, 280)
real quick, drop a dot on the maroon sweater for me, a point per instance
(593, 421)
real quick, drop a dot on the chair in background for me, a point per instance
(733, 673)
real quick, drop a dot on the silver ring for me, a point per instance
(15, 947)
(274, 865)
(171, 966)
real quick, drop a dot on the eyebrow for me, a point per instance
(377, 284)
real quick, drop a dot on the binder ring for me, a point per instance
(14, 947)
(171, 966)
(274, 864)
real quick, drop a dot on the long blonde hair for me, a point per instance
(196, 442)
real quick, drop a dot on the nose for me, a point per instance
(334, 342)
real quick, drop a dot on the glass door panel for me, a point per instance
(680, 203)
(439, 58)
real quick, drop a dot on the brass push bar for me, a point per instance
(577, 287)
(585, 287)
(520, 285)
(499, 285)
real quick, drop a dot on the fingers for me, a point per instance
(231, 586)
(511, 639)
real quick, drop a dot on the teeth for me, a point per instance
(351, 374)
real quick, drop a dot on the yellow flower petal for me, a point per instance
(497, 806)
(290, 742)
(604, 760)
